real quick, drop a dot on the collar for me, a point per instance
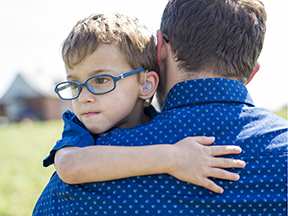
(206, 91)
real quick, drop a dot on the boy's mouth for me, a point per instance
(90, 114)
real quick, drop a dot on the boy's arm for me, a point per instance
(189, 160)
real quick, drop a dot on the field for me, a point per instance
(22, 149)
(283, 112)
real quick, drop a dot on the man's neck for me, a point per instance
(176, 76)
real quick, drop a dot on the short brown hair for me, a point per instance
(224, 36)
(134, 40)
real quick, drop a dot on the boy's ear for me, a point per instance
(150, 85)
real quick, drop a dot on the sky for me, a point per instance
(32, 32)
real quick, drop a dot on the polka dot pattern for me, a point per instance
(211, 107)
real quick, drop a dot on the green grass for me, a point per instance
(282, 113)
(22, 179)
(22, 149)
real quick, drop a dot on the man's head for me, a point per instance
(221, 37)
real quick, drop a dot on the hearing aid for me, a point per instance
(146, 87)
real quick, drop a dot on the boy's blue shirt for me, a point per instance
(212, 107)
(76, 134)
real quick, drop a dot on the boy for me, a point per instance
(99, 52)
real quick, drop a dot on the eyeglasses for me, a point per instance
(165, 37)
(97, 85)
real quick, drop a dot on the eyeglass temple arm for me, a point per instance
(131, 73)
(165, 37)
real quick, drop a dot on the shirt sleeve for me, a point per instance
(74, 134)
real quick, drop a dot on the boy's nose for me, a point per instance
(86, 96)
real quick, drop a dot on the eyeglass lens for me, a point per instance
(101, 84)
(98, 85)
(67, 90)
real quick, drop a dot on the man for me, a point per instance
(223, 39)
(206, 51)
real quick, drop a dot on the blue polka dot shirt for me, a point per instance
(212, 107)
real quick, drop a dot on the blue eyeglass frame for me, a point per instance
(80, 85)
(165, 37)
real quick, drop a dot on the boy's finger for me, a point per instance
(223, 174)
(203, 140)
(224, 150)
(210, 185)
(227, 163)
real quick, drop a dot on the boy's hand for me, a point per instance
(194, 163)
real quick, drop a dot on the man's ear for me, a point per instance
(160, 46)
(256, 69)
(150, 85)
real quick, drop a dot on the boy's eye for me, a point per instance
(101, 80)
(73, 86)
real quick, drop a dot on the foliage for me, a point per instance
(23, 147)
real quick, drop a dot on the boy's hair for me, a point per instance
(134, 40)
(223, 36)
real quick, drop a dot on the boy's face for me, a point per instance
(120, 108)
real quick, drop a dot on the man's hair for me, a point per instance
(223, 36)
(134, 40)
